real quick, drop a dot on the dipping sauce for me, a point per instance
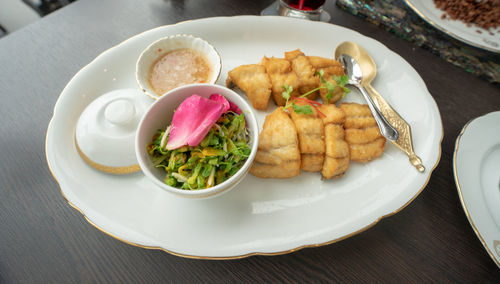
(178, 67)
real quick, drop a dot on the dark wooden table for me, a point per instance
(42, 239)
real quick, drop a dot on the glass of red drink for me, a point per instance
(305, 9)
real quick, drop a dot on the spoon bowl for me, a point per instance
(364, 60)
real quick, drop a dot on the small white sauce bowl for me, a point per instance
(159, 48)
(159, 116)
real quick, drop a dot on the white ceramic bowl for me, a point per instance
(160, 115)
(159, 48)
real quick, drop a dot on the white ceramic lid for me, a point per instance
(105, 132)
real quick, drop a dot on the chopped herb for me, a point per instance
(302, 109)
(287, 90)
(341, 82)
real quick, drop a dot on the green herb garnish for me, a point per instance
(340, 81)
(287, 90)
(302, 109)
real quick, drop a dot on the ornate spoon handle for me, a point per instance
(385, 127)
(404, 141)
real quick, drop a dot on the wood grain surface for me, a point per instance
(44, 240)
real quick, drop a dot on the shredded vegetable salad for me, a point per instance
(221, 153)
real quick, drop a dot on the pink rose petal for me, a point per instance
(233, 107)
(192, 121)
(221, 99)
(228, 105)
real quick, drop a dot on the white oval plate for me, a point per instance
(456, 28)
(476, 166)
(260, 216)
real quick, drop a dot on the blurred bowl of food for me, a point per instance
(175, 61)
(197, 141)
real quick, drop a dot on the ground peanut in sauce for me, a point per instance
(178, 67)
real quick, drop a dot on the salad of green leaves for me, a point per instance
(220, 155)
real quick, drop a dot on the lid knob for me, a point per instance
(119, 112)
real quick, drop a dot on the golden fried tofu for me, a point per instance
(332, 114)
(285, 170)
(360, 121)
(289, 55)
(354, 110)
(305, 72)
(280, 72)
(329, 66)
(278, 154)
(336, 148)
(254, 81)
(312, 162)
(334, 167)
(362, 133)
(368, 151)
(311, 139)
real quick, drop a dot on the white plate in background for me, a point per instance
(476, 166)
(428, 11)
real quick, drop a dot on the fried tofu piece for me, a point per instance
(312, 162)
(354, 110)
(254, 81)
(280, 72)
(362, 133)
(289, 55)
(336, 148)
(278, 154)
(368, 151)
(334, 168)
(285, 170)
(329, 66)
(306, 73)
(337, 152)
(332, 115)
(311, 139)
(360, 121)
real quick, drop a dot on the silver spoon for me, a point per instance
(369, 71)
(353, 71)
